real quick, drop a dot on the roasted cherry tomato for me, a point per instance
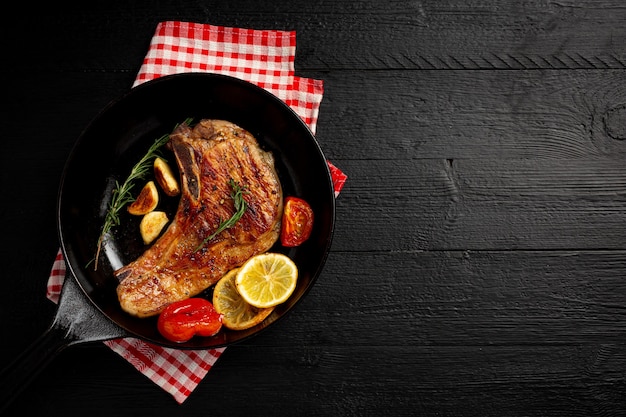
(297, 222)
(182, 320)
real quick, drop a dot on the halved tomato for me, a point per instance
(182, 320)
(297, 222)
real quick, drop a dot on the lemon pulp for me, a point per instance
(267, 280)
(236, 313)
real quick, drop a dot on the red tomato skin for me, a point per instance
(297, 222)
(182, 320)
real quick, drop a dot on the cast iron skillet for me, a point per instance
(106, 151)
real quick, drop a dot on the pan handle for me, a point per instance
(76, 321)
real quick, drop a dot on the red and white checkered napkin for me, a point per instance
(263, 57)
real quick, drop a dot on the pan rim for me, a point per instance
(75, 271)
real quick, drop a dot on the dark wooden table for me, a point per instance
(478, 266)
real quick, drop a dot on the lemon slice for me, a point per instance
(236, 313)
(267, 280)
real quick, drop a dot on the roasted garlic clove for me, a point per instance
(146, 201)
(165, 177)
(151, 225)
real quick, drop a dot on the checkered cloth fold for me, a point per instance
(263, 57)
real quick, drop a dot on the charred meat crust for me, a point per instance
(208, 157)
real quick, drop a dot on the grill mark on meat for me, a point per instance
(208, 156)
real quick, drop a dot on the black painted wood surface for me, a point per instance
(479, 260)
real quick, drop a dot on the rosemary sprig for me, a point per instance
(122, 194)
(240, 206)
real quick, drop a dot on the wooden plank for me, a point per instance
(568, 381)
(440, 380)
(464, 298)
(481, 205)
(451, 34)
(473, 114)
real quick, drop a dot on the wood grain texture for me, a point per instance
(576, 380)
(430, 204)
(478, 266)
(451, 34)
(474, 114)
(440, 298)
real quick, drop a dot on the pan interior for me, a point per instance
(122, 133)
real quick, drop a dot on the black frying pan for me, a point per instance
(106, 151)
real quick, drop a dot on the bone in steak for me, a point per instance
(208, 157)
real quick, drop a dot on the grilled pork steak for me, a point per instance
(208, 157)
